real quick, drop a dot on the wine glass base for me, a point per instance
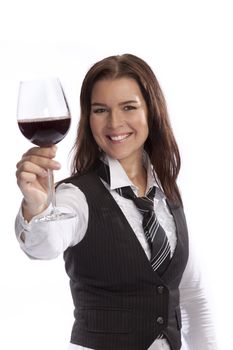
(56, 215)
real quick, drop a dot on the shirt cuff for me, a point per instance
(22, 226)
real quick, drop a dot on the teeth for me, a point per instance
(119, 138)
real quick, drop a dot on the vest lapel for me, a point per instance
(181, 231)
(182, 240)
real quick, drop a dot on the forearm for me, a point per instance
(49, 239)
(39, 241)
(198, 329)
(30, 211)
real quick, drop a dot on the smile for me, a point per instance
(119, 137)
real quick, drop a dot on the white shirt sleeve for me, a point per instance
(49, 239)
(198, 331)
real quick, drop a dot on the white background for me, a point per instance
(189, 46)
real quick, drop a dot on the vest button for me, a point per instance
(160, 289)
(160, 320)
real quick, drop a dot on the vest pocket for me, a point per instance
(105, 320)
(178, 318)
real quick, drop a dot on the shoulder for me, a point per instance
(80, 177)
(76, 179)
(89, 183)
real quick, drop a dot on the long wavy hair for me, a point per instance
(160, 145)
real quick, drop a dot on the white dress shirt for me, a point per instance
(48, 240)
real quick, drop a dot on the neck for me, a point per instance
(136, 173)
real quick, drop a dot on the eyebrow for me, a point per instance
(121, 103)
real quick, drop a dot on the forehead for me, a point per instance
(119, 88)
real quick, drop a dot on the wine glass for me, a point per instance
(44, 118)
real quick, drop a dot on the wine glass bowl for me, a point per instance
(44, 118)
(45, 132)
(43, 113)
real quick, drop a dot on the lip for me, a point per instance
(118, 138)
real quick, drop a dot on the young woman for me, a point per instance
(132, 278)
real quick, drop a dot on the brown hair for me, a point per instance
(160, 144)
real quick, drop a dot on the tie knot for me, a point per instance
(142, 203)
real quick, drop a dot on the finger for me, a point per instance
(30, 167)
(25, 178)
(48, 152)
(27, 162)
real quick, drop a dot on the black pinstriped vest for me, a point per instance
(120, 302)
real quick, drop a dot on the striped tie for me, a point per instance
(155, 235)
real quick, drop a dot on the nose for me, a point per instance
(115, 119)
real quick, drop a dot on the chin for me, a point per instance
(117, 156)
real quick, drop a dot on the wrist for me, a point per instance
(30, 210)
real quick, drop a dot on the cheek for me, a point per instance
(143, 125)
(96, 127)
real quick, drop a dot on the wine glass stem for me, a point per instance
(51, 188)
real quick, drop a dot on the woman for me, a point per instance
(126, 253)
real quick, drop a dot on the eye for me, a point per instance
(99, 110)
(129, 108)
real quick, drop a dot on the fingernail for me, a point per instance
(57, 165)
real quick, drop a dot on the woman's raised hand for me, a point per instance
(32, 178)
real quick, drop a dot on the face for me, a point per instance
(118, 118)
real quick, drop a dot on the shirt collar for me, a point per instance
(119, 178)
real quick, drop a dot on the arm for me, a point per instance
(198, 329)
(32, 179)
(46, 240)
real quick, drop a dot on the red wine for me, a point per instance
(45, 132)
